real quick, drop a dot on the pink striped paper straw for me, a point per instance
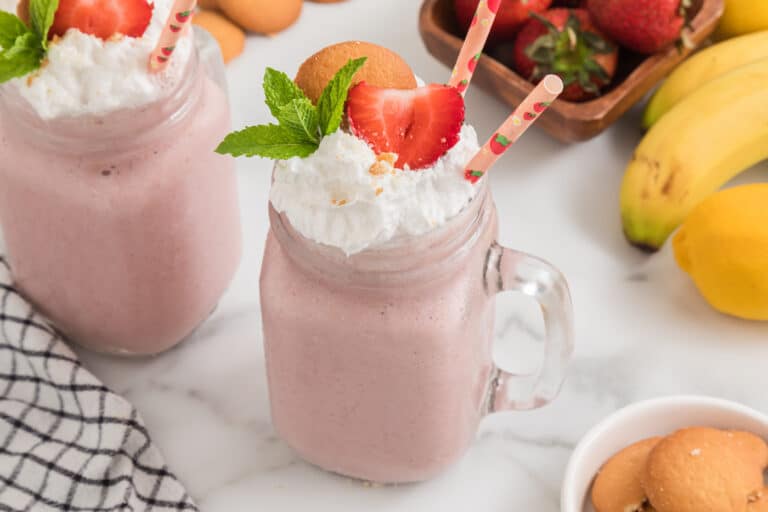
(513, 128)
(472, 49)
(176, 26)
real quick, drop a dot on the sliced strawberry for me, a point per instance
(420, 125)
(103, 18)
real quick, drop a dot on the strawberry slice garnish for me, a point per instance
(419, 125)
(103, 18)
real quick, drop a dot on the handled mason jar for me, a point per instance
(123, 228)
(380, 364)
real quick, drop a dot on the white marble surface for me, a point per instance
(642, 329)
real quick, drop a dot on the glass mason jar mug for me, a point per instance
(124, 228)
(380, 364)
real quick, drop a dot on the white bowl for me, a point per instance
(642, 420)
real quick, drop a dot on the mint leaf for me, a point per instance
(21, 58)
(21, 49)
(269, 141)
(302, 125)
(42, 13)
(279, 90)
(300, 116)
(11, 27)
(331, 103)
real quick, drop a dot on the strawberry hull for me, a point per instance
(565, 42)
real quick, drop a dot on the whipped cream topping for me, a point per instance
(343, 196)
(86, 75)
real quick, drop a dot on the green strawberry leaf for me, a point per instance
(596, 43)
(21, 58)
(268, 141)
(279, 90)
(42, 13)
(544, 21)
(11, 27)
(301, 117)
(334, 96)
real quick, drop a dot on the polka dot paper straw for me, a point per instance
(472, 49)
(513, 128)
(176, 26)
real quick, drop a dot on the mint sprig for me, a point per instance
(333, 97)
(279, 90)
(302, 125)
(23, 47)
(269, 141)
(301, 117)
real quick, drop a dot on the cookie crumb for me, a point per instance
(379, 191)
(35, 74)
(384, 164)
(390, 158)
(338, 202)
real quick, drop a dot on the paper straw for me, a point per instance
(176, 26)
(472, 49)
(508, 133)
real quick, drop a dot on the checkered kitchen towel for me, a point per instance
(66, 441)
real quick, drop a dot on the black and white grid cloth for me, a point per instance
(68, 443)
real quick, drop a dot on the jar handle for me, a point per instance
(508, 270)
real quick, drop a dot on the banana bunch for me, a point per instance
(708, 123)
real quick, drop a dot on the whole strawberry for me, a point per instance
(566, 43)
(511, 15)
(645, 26)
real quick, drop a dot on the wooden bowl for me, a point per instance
(565, 120)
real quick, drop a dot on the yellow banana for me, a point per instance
(743, 16)
(703, 67)
(712, 135)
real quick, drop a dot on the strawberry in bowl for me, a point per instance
(645, 26)
(510, 16)
(566, 43)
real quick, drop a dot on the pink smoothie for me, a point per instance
(379, 364)
(124, 230)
